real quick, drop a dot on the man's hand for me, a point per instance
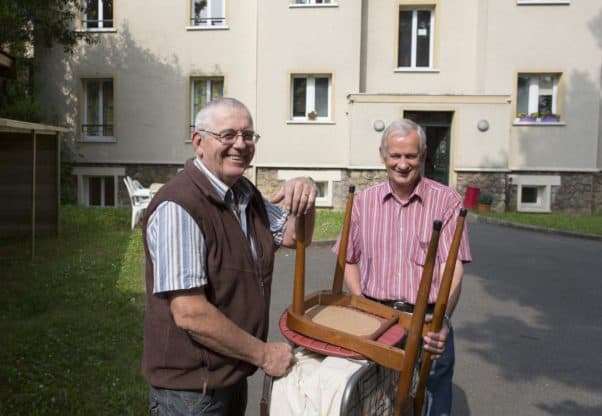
(278, 357)
(299, 195)
(434, 342)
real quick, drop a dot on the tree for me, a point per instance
(24, 26)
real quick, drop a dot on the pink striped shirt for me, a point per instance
(389, 239)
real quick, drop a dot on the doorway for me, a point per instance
(437, 126)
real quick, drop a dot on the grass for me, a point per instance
(72, 319)
(581, 223)
(328, 224)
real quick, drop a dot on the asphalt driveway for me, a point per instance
(528, 327)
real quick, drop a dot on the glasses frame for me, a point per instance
(219, 136)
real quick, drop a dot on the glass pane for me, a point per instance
(94, 191)
(107, 13)
(217, 89)
(109, 191)
(522, 99)
(405, 39)
(321, 189)
(217, 11)
(322, 97)
(92, 108)
(199, 11)
(423, 38)
(299, 91)
(91, 14)
(529, 195)
(546, 88)
(199, 98)
(107, 107)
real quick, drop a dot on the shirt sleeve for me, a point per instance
(277, 218)
(177, 249)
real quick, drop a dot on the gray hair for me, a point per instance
(401, 128)
(202, 120)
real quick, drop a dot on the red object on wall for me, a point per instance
(471, 197)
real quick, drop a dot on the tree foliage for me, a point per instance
(27, 25)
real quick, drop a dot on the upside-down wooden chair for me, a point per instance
(300, 326)
(439, 312)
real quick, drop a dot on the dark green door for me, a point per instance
(437, 126)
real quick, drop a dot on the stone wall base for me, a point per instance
(577, 193)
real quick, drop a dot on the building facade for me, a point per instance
(509, 92)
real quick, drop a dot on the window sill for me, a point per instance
(322, 122)
(417, 70)
(538, 123)
(99, 30)
(98, 139)
(309, 6)
(195, 28)
(542, 2)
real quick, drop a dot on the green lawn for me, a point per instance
(72, 319)
(581, 223)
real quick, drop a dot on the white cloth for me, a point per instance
(313, 387)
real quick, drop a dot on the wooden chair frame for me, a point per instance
(402, 360)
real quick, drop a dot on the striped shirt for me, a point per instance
(177, 244)
(389, 239)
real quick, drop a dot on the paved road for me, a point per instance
(528, 328)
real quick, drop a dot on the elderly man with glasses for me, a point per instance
(210, 238)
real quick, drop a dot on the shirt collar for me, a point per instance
(417, 194)
(223, 191)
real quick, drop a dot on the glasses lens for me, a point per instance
(228, 135)
(248, 136)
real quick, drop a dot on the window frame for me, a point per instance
(310, 97)
(415, 8)
(209, 85)
(101, 20)
(212, 22)
(85, 117)
(543, 184)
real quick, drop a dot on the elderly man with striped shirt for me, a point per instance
(210, 238)
(391, 225)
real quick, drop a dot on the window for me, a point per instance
(534, 192)
(415, 42)
(537, 95)
(310, 97)
(98, 14)
(325, 182)
(98, 108)
(207, 13)
(100, 191)
(203, 90)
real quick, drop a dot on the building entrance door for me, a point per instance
(437, 126)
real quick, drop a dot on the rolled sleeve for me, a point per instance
(177, 249)
(277, 218)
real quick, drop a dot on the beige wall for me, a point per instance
(296, 40)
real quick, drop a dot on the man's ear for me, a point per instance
(423, 156)
(196, 143)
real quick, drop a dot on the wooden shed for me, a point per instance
(30, 160)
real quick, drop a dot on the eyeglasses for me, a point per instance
(228, 137)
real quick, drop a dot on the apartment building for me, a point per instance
(509, 92)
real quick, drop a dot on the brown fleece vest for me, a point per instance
(238, 287)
